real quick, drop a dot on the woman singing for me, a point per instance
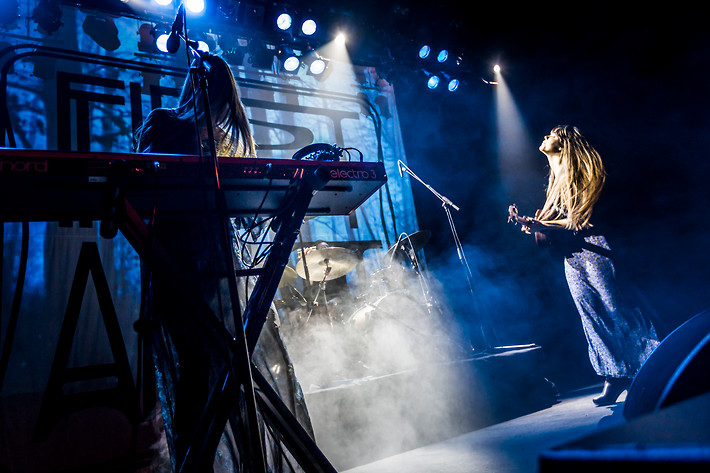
(619, 337)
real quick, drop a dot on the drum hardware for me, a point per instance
(326, 263)
(297, 296)
(321, 290)
(407, 244)
(405, 250)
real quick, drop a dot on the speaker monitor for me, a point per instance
(678, 369)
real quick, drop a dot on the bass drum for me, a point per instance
(394, 306)
(391, 334)
(389, 280)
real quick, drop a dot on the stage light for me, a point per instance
(195, 6)
(317, 67)
(146, 37)
(163, 3)
(424, 51)
(161, 42)
(206, 42)
(291, 64)
(233, 47)
(442, 56)
(309, 27)
(433, 81)
(103, 31)
(340, 39)
(48, 16)
(496, 69)
(289, 61)
(261, 54)
(284, 21)
(453, 85)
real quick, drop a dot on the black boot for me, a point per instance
(613, 387)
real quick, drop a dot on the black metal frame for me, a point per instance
(124, 218)
(200, 455)
(217, 412)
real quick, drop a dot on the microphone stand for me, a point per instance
(258, 461)
(408, 249)
(447, 205)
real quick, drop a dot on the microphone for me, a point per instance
(173, 43)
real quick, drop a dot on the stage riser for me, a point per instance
(375, 418)
(674, 439)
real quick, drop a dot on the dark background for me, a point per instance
(636, 83)
(638, 90)
(634, 80)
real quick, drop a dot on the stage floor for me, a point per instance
(508, 447)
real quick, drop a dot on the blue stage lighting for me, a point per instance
(453, 85)
(433, 82)
(48, 16)
(195, 6)
(308, 27)
(163, 2)
(442, 56)
(284, 21)
(162, 42)
(424, 51)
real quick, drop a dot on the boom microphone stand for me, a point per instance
(198, 74)
(447, 205)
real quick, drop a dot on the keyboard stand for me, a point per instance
(220, 407)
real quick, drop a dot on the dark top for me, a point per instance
(169, 134)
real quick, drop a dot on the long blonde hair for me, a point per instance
(573, 190)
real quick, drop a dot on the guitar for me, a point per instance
(541, 238)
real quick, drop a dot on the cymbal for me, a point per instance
(340, 261)
(288, 277)
(417, 240)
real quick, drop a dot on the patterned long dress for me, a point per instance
(619, 336)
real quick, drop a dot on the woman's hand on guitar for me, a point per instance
(512, 213)
(527, 224)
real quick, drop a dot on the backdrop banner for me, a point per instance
(76, 380)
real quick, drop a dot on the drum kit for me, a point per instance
(319, 267)
(393, 323)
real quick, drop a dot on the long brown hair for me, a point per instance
(228, 112)
(573, 190)
(232, 134)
